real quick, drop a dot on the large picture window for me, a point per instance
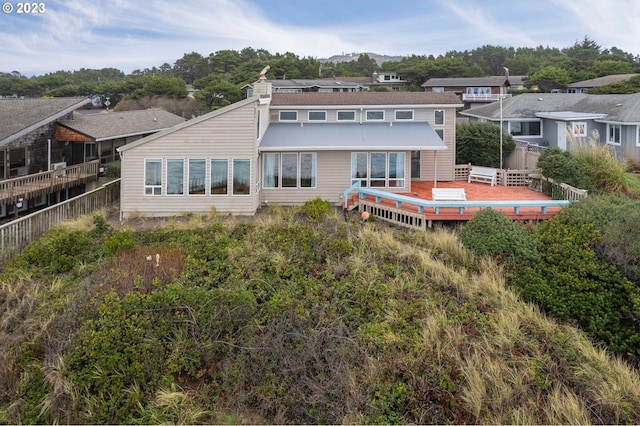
(241, 177)
(378, 169)
(153, 177)
(175, 177)
(197, 169)
(289, 170)
(219, 176)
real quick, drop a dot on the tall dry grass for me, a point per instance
(607, 172)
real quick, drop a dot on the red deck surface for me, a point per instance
(478, 192)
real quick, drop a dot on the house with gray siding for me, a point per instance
(288, 148)
(554, 119)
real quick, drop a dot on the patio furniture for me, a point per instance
(483, 175)
(448, 194)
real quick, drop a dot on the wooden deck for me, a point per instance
(474, 192)
(35, 185)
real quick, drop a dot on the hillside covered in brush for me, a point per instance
(297, 316)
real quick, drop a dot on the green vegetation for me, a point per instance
(297, 316)
(479, 144)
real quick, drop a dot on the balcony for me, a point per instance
(489, 97)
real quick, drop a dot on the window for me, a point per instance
(404, 114)
(385, 169)
(271, 170)
(378, 169)
(219, 176)
(175, 177)
(197, 177)
(439, 117)
(308, 170)
(359, 168)
(579, 128)
(375, 115)
(289, 170)
(90, 151)
(396, 169)
(2, 166)
(288, 115)
(241, 177)
(437, 89)
(317, 115)
(258, 125)
(614, 132)
(346, 115)
(525, 128)
(153, 177)
(440, 132)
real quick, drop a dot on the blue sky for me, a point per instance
(138, 34)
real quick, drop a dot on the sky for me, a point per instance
(67, 35)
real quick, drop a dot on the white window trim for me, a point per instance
(575, 125)
(204, 182)
(298, 172)
(387, 179)
(232, 161)
(287, 119)
(609, 141)
(210, 160)
(346, 110)
(366, 115)
(404, 119)
(310, 119)
(443, 117)
(153, 187)
(184, 173)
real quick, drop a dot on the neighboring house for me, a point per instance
(319, 85)
(473, 90)
(554, 119)
(583, 86)
(98, 135)
(387, 81)
(288, 148)
(45, 134)
(27, 133)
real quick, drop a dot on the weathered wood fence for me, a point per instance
(16, 235)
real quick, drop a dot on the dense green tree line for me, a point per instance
(220, 75)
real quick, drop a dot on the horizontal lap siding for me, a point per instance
(333, 178)
(231, 136)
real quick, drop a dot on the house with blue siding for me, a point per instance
(554, 119)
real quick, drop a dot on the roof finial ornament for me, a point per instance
(263, 73)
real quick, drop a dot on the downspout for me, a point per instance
(48, 154)
(435, 169)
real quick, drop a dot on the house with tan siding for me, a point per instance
(288, 148)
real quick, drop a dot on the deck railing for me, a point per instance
(37, 184)
(417, 220)
(16, 235)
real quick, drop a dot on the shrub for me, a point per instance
(118, 242)
(60, 250)
(571, 283)
(113, 169)
(563, 167)
(604, 170)
(479, 144)
(491, 233)
(315, 209)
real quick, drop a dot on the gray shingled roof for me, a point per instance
(364, 98)
(111, 125)
(602, 81)
(20, 116)
(492, 81)
(617, 108)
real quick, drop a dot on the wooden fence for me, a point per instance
(16, 235)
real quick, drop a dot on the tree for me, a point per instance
(549, 78)
(563, 167)
(479, 144)
(170, 87)
(216, 93)
(191, 67)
